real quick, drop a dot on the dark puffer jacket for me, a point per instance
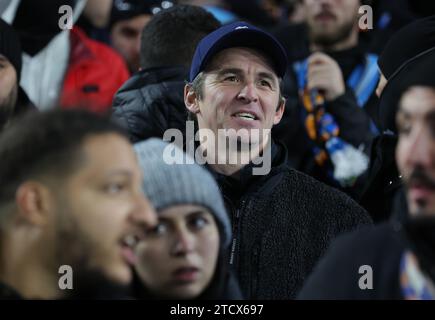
(150, 102)
(282, 225)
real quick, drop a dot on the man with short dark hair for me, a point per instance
(152, 100)
(71, 199)
(282, 219)
(128, 18)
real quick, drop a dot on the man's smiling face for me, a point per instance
(240, 91)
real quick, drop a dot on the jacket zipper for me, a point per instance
(236, 232)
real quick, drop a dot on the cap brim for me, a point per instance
(251, 38)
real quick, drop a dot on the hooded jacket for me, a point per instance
(384, 182)
(282, 224)
(150, 102)
(95, 72)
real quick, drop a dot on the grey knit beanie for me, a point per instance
(181, 182)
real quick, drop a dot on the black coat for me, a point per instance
(7, 293)
(150, 102)
(337, 275)
(282, 224)
(384, 183)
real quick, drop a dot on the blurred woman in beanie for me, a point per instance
(185, 255)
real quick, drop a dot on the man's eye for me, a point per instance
(404, 128)
(265, 83)
(159, 230)
(129, 33)
(115, 188)
(432, 127)
(231, 79)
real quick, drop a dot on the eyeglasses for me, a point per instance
(142, 6)
(163, 5)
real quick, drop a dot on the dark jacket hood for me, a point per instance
(155, 75)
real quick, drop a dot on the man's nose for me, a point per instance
(325, 2)
(248, 93)
(421, 152)
(144, 213)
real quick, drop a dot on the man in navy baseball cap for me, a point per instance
(235, 97)
(235, 80)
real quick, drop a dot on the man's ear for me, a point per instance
(191, 99)
(34, 203)
(279, 111)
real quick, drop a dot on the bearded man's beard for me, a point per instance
(75, 249)
(327, 40)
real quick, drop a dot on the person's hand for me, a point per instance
(324, 74)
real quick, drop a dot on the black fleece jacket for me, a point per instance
(282, 224)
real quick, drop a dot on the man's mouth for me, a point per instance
(128, 244)
(421, 189)
(421, 180)
(246, 116)
(325, 16)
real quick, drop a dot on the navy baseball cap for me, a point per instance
(238, 34)
(129, 9)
